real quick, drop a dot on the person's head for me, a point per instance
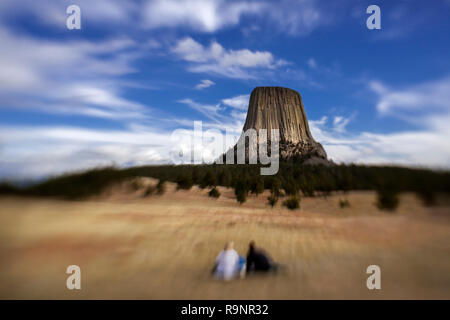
(229, 245)
(251, 245)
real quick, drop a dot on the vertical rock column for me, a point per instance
(282, 108)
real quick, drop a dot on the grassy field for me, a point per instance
(162, 247)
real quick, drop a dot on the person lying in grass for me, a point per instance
(258, 260)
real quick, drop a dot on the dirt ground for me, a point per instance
(162, 247)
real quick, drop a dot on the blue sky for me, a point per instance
(114, 91)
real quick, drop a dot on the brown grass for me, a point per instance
(157, 247)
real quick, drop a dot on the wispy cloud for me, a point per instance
(204, 84)
(339, 123)
(209, 111)
(426, 148)
(38, 151)
(298, 17)
(418, 104)
(294, 17)
(200, 15)
(222, 117)
(425, 105)
(35, 76)
(238, 102)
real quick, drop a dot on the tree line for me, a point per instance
(291, 179)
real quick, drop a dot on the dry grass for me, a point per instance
(160, 247)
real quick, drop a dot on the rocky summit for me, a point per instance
(282, 108)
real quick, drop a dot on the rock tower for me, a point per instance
(282, 108)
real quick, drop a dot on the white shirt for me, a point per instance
(227, 264)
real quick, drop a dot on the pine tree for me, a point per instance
(257, 185)
(241, 190)
(208, 180)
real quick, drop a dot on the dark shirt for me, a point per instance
(257, 261)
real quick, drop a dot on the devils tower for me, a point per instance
(282, 108)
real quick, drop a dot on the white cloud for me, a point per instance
(218, 60)
(299, 17)
(339, 123)
(319, 122)
(201, 15)
(426, 97)
(295, 17)
(204, 84)
(239, 102)
(190, 50)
